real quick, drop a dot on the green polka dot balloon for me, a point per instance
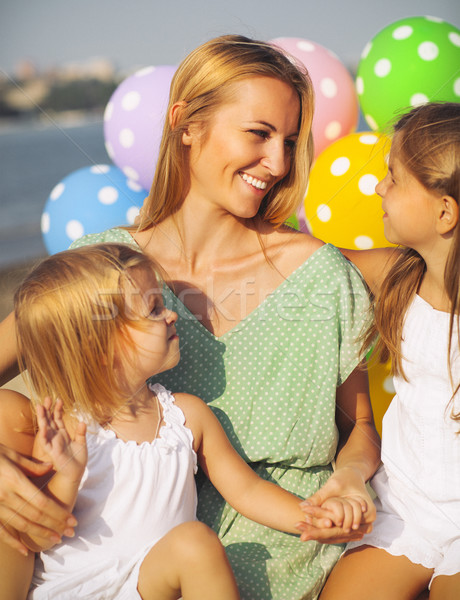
(410, 62)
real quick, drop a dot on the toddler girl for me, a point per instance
(92, 328)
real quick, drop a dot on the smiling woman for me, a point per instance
(245, 149)
(268, 318)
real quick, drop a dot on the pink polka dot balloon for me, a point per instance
(336, 102)
(133, 122)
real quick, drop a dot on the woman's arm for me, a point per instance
(68, 455)
(252, 496)
(23, 506)
(358, 456)
(8, 357)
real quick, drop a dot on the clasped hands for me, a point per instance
(341, 511)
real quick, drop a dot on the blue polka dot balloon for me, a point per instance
(410, 62)
(89, 200)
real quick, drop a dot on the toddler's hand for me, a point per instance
(68, 456)
(347, 512)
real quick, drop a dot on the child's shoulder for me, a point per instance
(196, 412)
(190, 404)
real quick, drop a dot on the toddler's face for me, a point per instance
(154, 346)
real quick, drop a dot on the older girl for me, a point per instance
(416, 537)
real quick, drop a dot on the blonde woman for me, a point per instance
(274, 315)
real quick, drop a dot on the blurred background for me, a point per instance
(61, 62)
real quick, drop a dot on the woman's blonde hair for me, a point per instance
(71, 316)
(428, 145)
(202, 84)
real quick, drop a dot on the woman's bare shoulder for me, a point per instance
(288, 249)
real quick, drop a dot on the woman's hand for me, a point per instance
(24, 507)
(341, 511)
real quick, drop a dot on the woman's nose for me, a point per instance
(277, 158)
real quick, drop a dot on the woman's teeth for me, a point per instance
(257, 183)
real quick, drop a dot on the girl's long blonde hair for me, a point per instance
(429, 147)
(71, 315)
(202, 83)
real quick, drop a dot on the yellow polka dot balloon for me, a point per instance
(341, 206)
(381, 390)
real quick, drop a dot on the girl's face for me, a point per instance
(409, 208)
(246, 148)
(155, 346)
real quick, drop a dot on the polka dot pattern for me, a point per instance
(409, 62)
(341, 205)
(271, 381)
(86, 201)
(133, 122)
(336, 105)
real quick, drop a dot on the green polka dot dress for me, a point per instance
(271, 381)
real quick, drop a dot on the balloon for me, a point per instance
(133, 122)
(336, 104)
(341, 205)
(89, 200)
(410, 62)
(381, 390)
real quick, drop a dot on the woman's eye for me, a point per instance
(260, 133)
(291, 144)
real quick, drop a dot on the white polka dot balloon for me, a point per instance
(341, 205)
(133, 122)
(89, 200)
(336, 103)
(409, 62)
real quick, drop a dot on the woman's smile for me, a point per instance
(247, 147)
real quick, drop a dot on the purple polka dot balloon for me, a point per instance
(133, 122)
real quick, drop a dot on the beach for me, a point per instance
(36, 155)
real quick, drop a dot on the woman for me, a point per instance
(274, 314)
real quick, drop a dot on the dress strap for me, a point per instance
(164, 396)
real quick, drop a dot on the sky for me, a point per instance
(137, 33)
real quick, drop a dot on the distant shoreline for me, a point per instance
(67, 119)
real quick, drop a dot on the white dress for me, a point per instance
(418, 486)
(130, 496)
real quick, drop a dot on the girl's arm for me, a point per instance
(69, 458)
(373, 264)
(252, 496)
(343, 509)
(8, 357)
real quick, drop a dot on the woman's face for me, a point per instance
(246, 147)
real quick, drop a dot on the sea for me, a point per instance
(34, 157)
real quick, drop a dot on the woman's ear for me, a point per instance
(175, 116)
(448, 214)
(176, 112)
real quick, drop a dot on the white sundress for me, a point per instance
(130, 496)
(418, 485)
